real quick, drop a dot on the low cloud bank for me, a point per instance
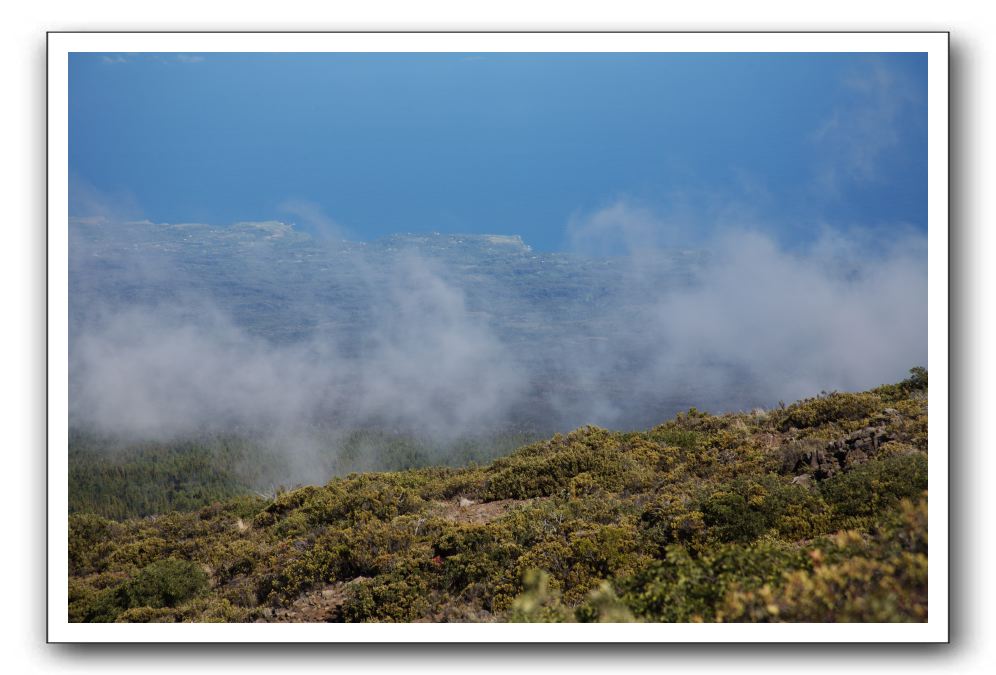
(421, 349)
(426, 366)
(767, 324)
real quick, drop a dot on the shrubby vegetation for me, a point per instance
(704, 518)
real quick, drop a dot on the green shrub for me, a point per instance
(671, 434)
(684, 588)
(352, 499)
(165, 583)
(673, 518)
(580, 461)
(876, 485)
(161, 584)
(94, 606)
(748, 508)
(478, 564)
(239, 557)
(138, 554)
(147, 615)
(853, 577)
(326, 561)
(386, 598)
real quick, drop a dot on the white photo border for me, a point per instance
(61, 44)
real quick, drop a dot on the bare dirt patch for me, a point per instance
(478, 513)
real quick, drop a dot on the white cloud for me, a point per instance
(746, 323)
(760, 321)
(177, 368)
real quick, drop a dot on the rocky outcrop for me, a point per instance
(842, 454)
(322, 605)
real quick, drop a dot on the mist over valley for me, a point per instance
(263, 331)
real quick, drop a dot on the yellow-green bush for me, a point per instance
(852, 578)
(872, 487)
(91, 542)
(747, 508)
(914, 385)
(386, 598)
(833, 407)
(684, 588)
(539, 602)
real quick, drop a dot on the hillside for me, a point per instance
(810, 512)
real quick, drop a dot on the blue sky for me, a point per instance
(365, 145)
